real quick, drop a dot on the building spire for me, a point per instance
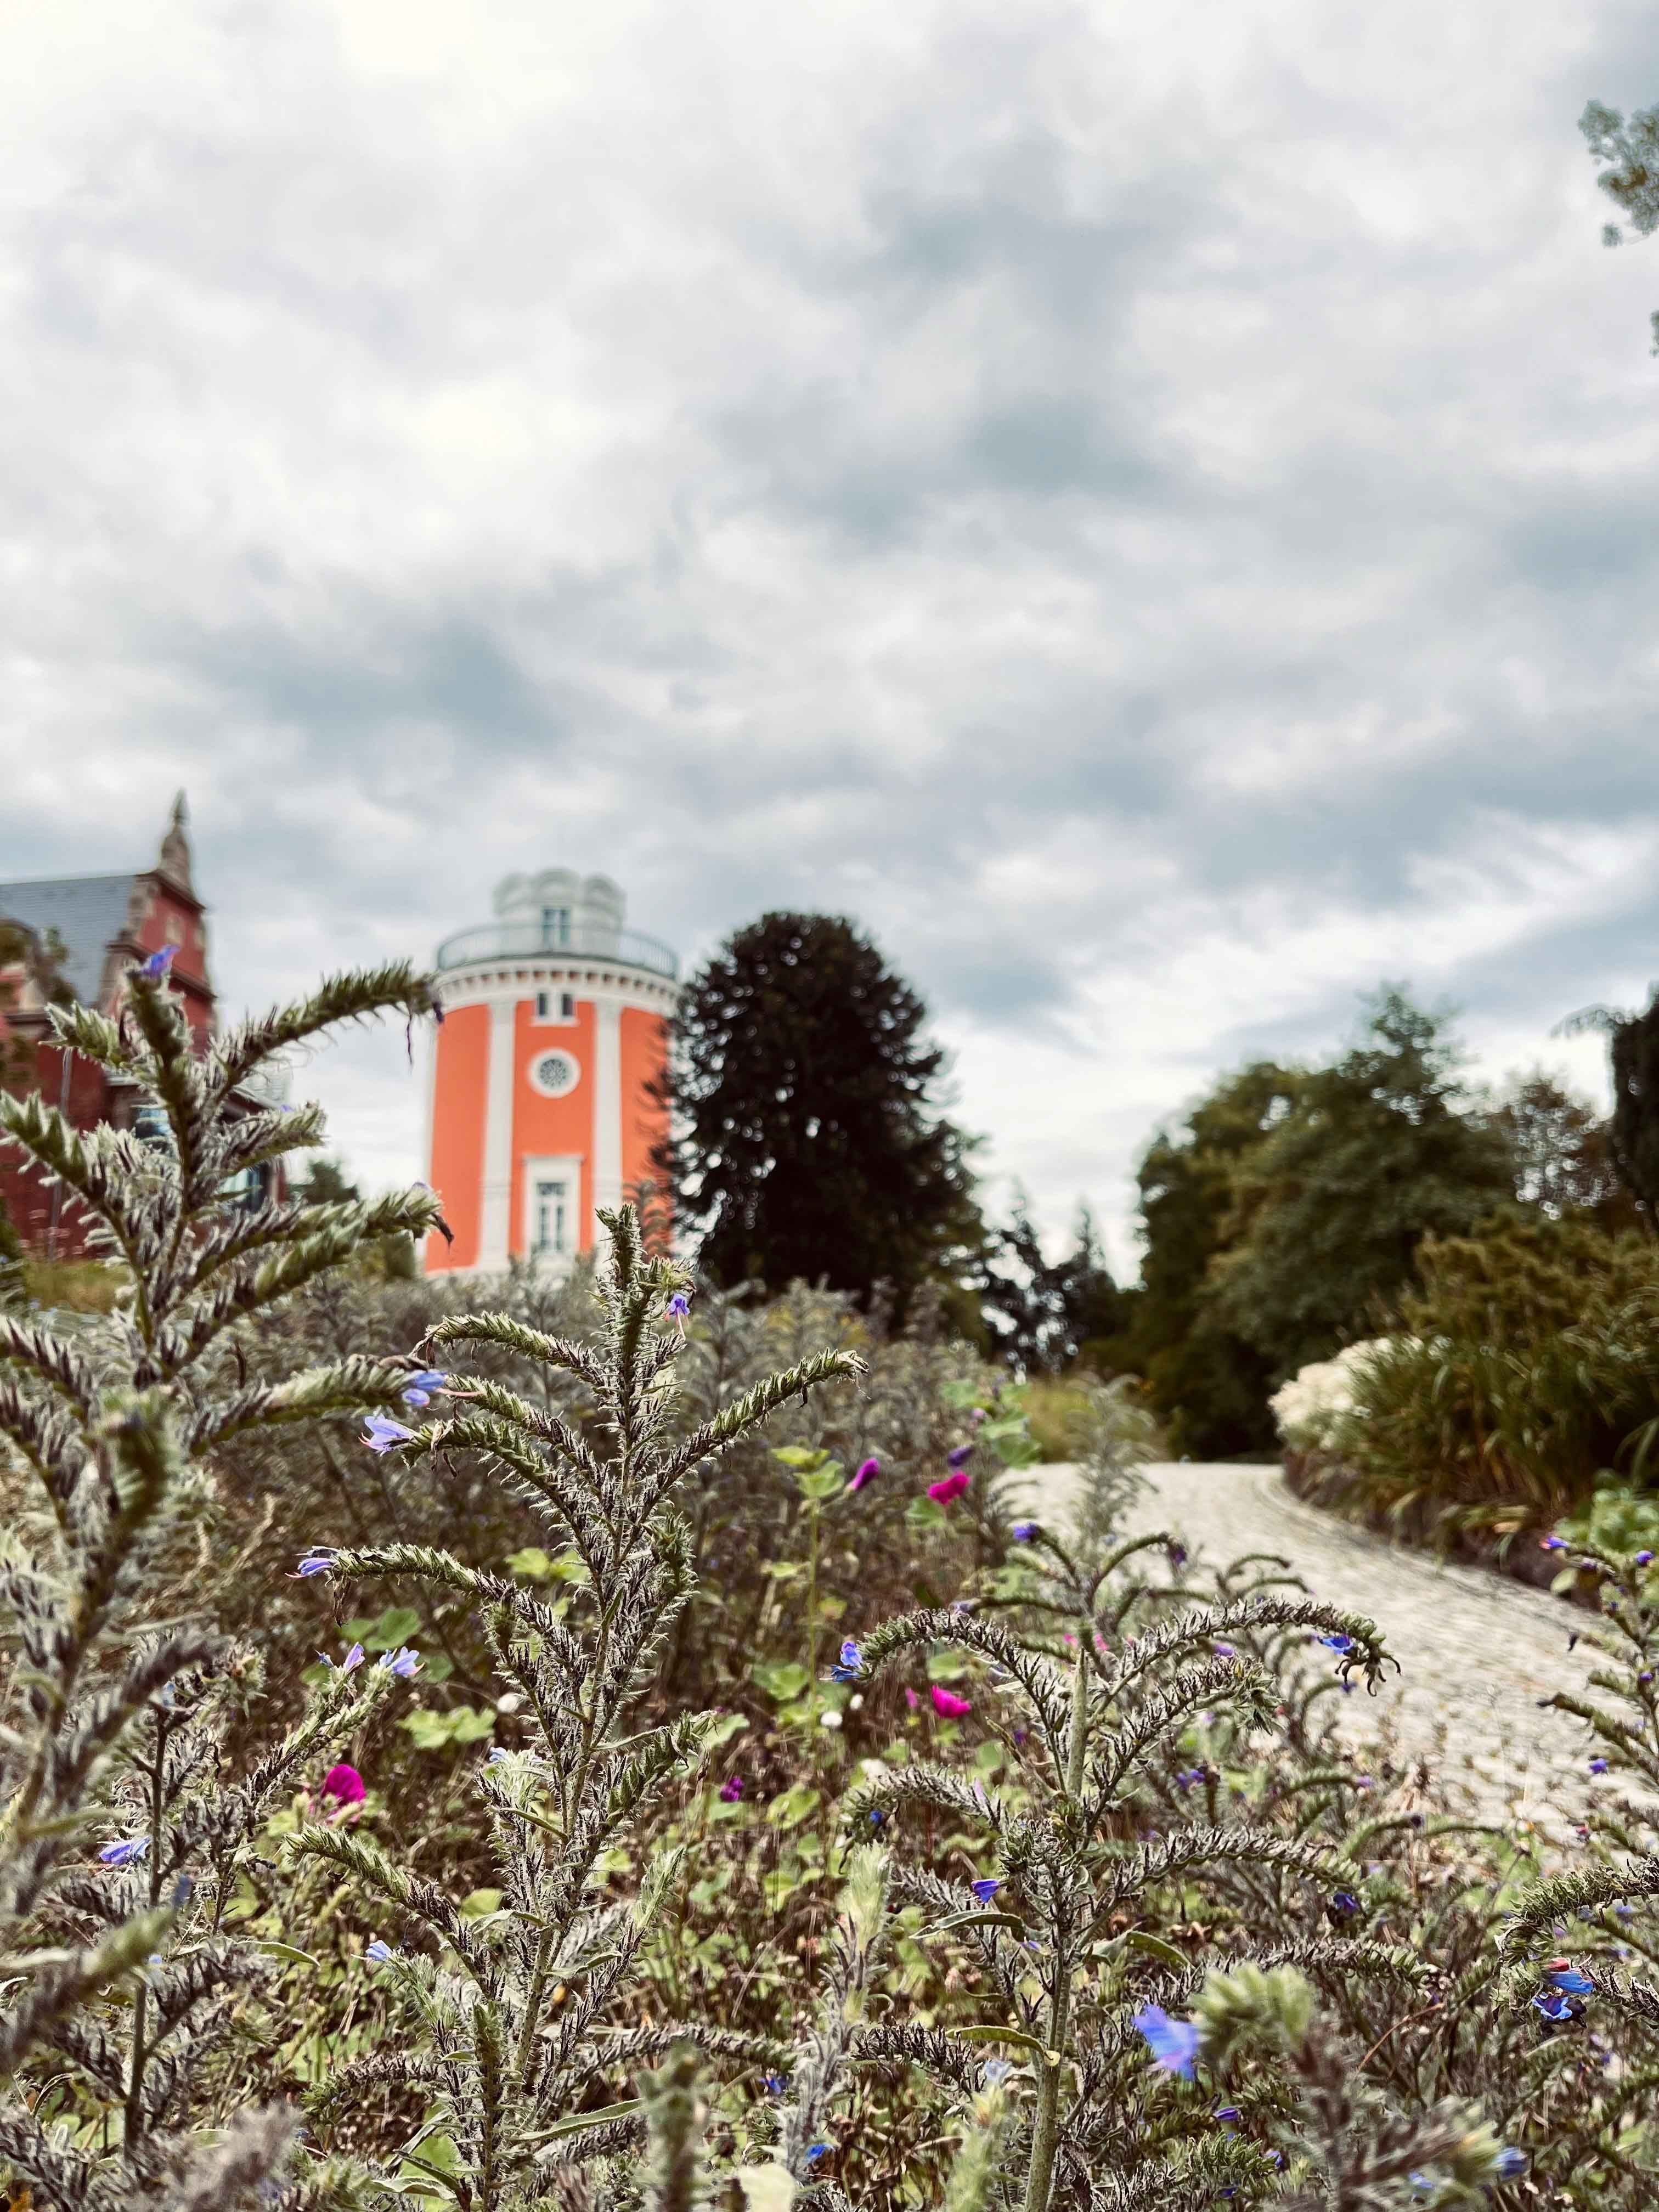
(175, 862)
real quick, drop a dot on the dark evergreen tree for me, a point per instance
(1563, 1153)
(804, 1140)
(1043, 1315)
(1633, 1132)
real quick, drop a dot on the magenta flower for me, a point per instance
(383, 1435)
(948, 1706)
(912, 1699)
(730, 1789)
(947, 1487)
(344, 1784)
(868, 1470)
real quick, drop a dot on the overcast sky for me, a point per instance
(1152, 510)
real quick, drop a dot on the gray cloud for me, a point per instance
(1153, 520)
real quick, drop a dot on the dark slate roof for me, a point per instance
(87, 911)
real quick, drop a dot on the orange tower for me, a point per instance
(555, 1019)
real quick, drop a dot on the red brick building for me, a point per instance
(73, 938)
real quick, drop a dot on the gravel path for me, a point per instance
(1477, 1652)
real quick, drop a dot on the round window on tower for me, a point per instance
(555, 1074)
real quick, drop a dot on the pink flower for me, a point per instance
(344, 1784)
(948, 1706)
(949, 1487)
(867, 1470)
(912, 1699)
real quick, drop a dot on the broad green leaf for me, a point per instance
(395, 1626)
(1154, 1947)
(531, 1562)
(922, 1516)
(799, 1457)
(981, 1920)
(472, 1724)
(480, 1904)
(780, 1679)
(727, 1726)
(987, 2034)
(286, 1951)
(796, 1804)
(821, 1485)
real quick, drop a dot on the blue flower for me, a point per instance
(1186, 1775)
(421, 1388)
(181, 1890)
(851, 1661)
(1023, 1531)
(1511, 2162)
(1226, 2114)
(773, 2084)
(1177, 1554)
(1173, 2043)
(877, 1816)
(1598, 1767)
(1338, 1642)
(1568, 1978)
(815, 2152)
(382, 1434)
(985, 1890)
(676, 1309)
(1554, 2005)
(1644, 1559)
(1552, 1543)
(995, 2072)
(379, 1951)
(122, 1854)
(402, 1662)
(159, 961)
(353, 1659)
(1342, 1905)
(1223, 1651)
(311, 1563)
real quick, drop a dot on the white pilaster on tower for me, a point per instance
(498, 1141)
(607, 1105)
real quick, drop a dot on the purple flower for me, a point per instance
(1177, 1554)
(1552, 1543)
(381, 1435)
(1554, 2004)
(379, 1951)
(1186, 1775)
(1223, 1651)
(421, 1388)
(985, 1890)
(678, 1306)
(311, 1562)
(730, 1789)
(852, 1661)
(1338, 1642)
(402, 1662)
(1342, 1906)
(1511, 2162)
(773, 2084)
(1023, 1531)
(353, 1658)
(1173, 2043)
(868, 1470)
(159, 961)
(1598, 1767)
(124, 1853)
(1644, 1559)
(959, 1457)
(1226, 2114)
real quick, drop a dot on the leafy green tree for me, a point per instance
(1373, 1154)
(1208, 1382)
(1563, 1155)
(805, 1140)
(1630, 176)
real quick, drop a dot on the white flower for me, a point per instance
(1308, 1407)
(830, 1718)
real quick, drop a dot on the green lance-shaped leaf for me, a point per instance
(559, 1645)
(922, 1783)
(1044, 1686)
(174, 1074)
(349, 1386)
(1189, 1848)
(1561, 1896)
(53, 1996)
(52, 1359)
(1251, 1616)
(354, 996)
(675, 2111)
(535, 1425)
(507, 1333)
(748, 1412)
(97, 1038)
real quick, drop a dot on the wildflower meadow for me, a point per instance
(615, 1744)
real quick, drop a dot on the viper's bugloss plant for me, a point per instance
(519, 2011)
(122, 1826)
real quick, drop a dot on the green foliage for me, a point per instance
(808, 1146)
(1630, 176)
(1044, 1315)
(1374, 1154)
(118, 1707)
(1523, 1371)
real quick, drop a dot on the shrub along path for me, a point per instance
(1476, 1651)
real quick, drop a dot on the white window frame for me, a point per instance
(556, 927)
(565, 1167)
(555, 1009)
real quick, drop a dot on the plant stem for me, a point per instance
(1045, 2127)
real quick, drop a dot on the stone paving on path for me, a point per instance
(1477, 1652)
